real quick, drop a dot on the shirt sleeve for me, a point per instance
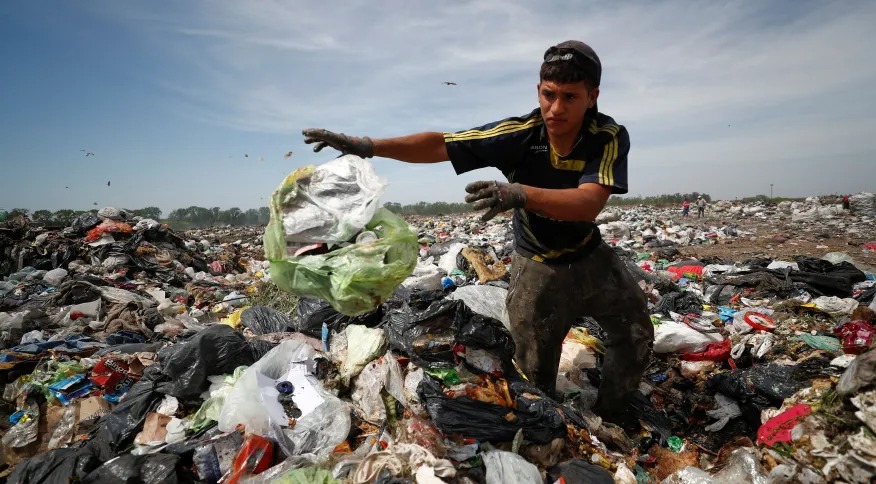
(499, 144)
(608, 166)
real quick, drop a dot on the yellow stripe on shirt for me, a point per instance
(503, 128)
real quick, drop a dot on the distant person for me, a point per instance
(685, 208)
(562, 161)
(701, 207)
(847, 205)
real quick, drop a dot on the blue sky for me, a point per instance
(720, 97)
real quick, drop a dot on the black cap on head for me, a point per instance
(580, 55)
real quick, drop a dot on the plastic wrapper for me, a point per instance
(509, 468)
(856, 336)
(353, 279)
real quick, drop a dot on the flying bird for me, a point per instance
(288, 155)
(245, 156)
(261, 158)
(107, 183)
(66, 187)
(449, 83)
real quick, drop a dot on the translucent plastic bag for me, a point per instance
(326, 203)
(353, 279)
(247, 403)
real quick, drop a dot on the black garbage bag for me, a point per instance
(115, 429)
(57, 466)
(681, 303)
(826, 278)
(216, 350)
(540, 417)
(131, 468)
(264, 320)
(758, 387)
(428, 337)
(579, 470)
(312, 312)
(84, 223)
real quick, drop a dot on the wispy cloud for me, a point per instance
(703, 86)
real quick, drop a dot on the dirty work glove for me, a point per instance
(495, 196)
(348, 145)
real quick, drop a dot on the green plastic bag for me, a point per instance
(355, 279)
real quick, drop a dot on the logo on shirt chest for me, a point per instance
(539, 148)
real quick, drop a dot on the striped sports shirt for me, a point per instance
(520, 149)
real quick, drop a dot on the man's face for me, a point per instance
(563, 106)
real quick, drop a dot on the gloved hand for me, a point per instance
(495, 196)
(348, 145)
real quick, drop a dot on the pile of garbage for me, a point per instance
(134, 353)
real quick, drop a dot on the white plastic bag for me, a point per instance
(249, 402)
(672, 337)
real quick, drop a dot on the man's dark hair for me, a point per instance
(564, 73)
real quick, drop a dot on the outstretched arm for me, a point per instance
(425, 147)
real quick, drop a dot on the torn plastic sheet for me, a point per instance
(860, 374)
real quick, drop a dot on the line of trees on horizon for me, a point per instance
(195, 216)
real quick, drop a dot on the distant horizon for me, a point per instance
(165, 212)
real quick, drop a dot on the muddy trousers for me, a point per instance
(545, 299)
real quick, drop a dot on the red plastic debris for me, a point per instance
(690, 272)
(759, 321)
(778, 428)
(714, 352)
(857, 336)
(256, 456)
(110, 227)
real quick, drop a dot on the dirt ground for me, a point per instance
(783, 239)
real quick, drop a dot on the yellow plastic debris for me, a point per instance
(583, 336)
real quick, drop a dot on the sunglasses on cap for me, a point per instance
(557, 54)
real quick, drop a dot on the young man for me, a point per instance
(562, 162)
(701, 207)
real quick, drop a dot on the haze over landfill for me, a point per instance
(196, 103)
